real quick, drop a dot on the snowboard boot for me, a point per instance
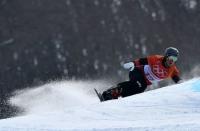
(112, 93)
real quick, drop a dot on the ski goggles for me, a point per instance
(171, 60)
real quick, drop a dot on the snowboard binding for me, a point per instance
(112, 93)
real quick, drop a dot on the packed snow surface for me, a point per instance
(72, 105)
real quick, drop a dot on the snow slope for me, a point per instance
(67, 106)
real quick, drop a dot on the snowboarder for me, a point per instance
(144, 72)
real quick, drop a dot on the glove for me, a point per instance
(129, 65)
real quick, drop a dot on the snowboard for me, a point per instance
(99, 95)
